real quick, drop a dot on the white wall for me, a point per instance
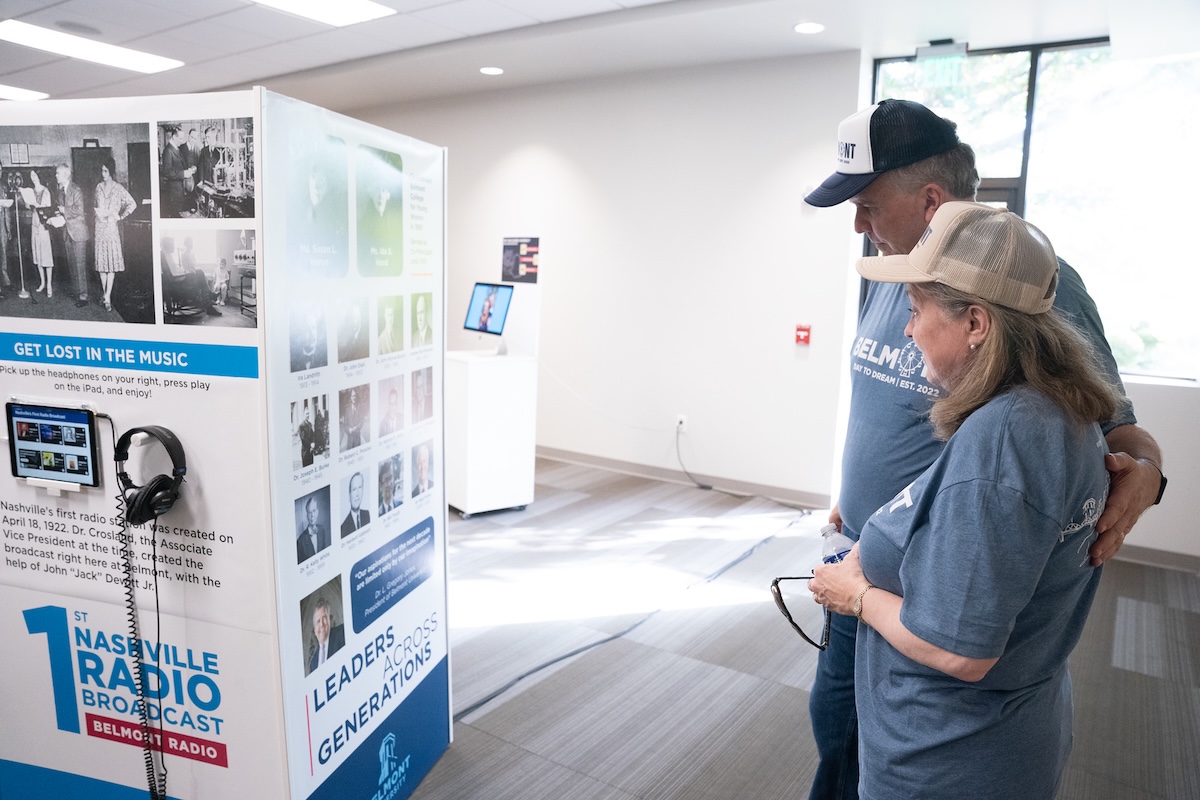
(677, 256)
(1170, 413)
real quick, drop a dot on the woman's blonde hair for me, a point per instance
(1041, 351)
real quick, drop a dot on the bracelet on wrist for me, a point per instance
(858, 601)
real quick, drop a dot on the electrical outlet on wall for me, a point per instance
(681, 423)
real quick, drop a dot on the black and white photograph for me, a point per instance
(322, 624)
(380, 190)
(318, 221)
(203, 277)
(354, 417)
(391, 405)
(308, 337)
(354, 330)
(422, 394)
(422, 320)
(390, 316)
(312, 524)
(422, 468)
(75, 237)
(310, 431)
(206, 168)
(391, 484)
(355, 502)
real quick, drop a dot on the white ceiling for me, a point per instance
(434, 48)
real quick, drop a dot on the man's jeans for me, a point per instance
(834, 717)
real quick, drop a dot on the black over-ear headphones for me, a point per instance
(144, 503)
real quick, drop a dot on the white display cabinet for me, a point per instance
(491, 428)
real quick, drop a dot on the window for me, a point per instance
(1103, 159)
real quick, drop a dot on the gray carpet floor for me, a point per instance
(617, 640)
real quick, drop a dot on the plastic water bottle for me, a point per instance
(836, 546)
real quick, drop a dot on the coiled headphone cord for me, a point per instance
(156, 782)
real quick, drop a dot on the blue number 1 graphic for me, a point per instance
(52, 621)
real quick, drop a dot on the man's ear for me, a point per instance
(932, 196)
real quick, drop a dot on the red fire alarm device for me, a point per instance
(803, 334)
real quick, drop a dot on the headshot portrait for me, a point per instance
(307, 337)
(312, 524)
(422, 468)
(391, 484)
(422, 320)
(353, 493)
(318, 223)
(310, 431)
(354, 337)
(322, 624)
(391, 324)
(380, 181)
(391, 405)
(422, 394)
(354, 417)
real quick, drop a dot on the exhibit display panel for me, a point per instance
(227, 311)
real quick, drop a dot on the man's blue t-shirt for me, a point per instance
(989, 551)
(889, 441)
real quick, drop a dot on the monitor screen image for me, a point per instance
(488, 308)
(53, 443)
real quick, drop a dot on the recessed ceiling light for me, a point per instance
(491, 70)
(64, 44)
(13, 93)
(338, 14)
(77, 28)
(809, 27)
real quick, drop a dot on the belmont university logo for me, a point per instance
(392, 771)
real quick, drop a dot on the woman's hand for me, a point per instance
(836, 585)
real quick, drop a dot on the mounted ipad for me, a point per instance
(53, 443)
(488, 308)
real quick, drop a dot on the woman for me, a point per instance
(39, 239)
(113, 204)
(972, 586)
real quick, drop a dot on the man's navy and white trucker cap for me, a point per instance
(887, 135)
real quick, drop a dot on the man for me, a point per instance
(307, 438)
(353, 422)
(182, 278)
(422, 330)
(387, 488)
(393, 420)
(206, 165)
(75, 231)
(314, 537)
(353, 344)
(330, 638)
(7, 208)
(424, 483)
(389, 337)
(422, 407)
(898, 162)
(173, 173)
(358, 516)
(190, 150)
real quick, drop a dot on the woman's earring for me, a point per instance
(974, 346)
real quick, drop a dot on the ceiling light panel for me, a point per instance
(338, 13)
(549, 10)
(475, 17)
(65, 44)
(14, 93)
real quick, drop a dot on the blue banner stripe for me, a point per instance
(228, 361)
